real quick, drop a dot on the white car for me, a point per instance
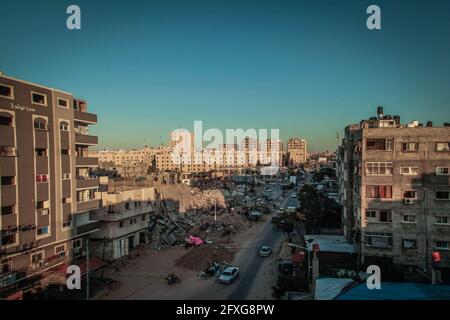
(265, 251)
(228, 275)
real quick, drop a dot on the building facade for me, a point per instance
(46, 188)
(297, 151)
(395, 190)
(124, 221)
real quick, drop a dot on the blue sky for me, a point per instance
(306, 67)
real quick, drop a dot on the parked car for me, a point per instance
(293, 195)
(265, 251)
(228, 275)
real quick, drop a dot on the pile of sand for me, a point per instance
(200, 258)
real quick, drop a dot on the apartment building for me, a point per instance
(297, 151)
(46, 188)
(124, 220)
(395, 190)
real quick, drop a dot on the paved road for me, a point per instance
(252, 266)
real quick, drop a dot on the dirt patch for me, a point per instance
(200, 258)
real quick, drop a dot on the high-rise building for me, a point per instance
(47, 191)
(297, 151)
(395, 191)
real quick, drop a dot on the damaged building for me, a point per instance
(395, 190)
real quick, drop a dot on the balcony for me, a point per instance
(7, 134)
(86, 162)
(85, 117)
(8, 166)
(84, 183)
(88, 227)
(88, 205)
(86, 139)
(8, 193)
(41, 165)
(42, 193)
(40, 138)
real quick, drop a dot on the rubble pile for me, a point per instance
(206, 199)
(202, 257)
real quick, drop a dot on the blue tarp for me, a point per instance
(397, 291)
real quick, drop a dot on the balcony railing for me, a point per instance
(90, 226)
(85, 116)
(83, 183)
(85, 139)
(86, 161)
(88, 205)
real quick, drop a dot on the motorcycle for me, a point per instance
(172, 279)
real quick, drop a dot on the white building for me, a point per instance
(124, 218)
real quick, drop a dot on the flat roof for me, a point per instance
(330, 243)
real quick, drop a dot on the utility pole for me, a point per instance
(87, 269)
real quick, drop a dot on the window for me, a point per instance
(40, 152)
(443, 146)
(385, 216)
(442, 195)
(442, 220)
(409, 171)
(409, 243)
(409, 194)
(66, 200)
(60, 249)
(42, 231)
(64, 126)
(6, 266)
(410, 146)
(39, 98)
(86, 195)
(65, 152)
(143, 217)
(6, 91)
(409, 218)
(40, 124)
(379, 168)
(442, 171)
(379, 144)
(66, 176)
(378, 191)
(8, 239)
(7, 151)
(42, 178)
(67, 223)
(37, 257)
(77, 244)
(42, 206)
(378, 239)
(121, 224)
(7, 181)
(371, 214)
(8, 210)
(441, 245)
(6, 121)
(131, 222)
(127, 206)
(63, 103)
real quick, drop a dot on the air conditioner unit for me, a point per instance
(408, 201)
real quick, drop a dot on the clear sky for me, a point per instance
(306, 67)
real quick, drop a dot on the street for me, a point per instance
(144, 279)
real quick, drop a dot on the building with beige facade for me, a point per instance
(47, 191)
(395, 191)
(296, 151)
